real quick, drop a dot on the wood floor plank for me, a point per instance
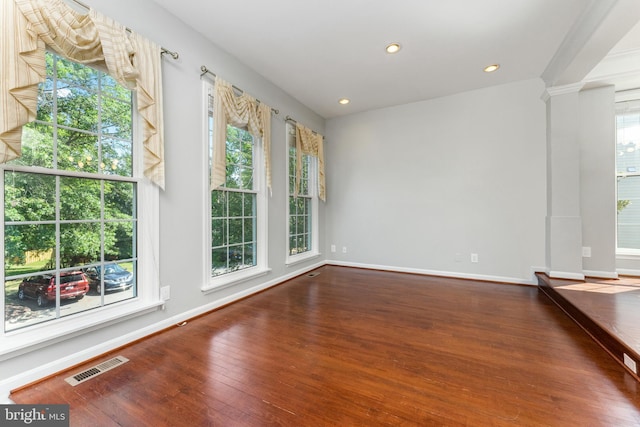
(360, 347)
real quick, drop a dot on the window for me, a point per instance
(233, 208)
(628, 178)
(70, 201)
(237, 208)
(302, 207)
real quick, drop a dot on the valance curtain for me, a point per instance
(239, 111)
(28, 26)
(310, 143)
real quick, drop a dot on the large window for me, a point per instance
(628, 178)
(237, 211)
(70, 210)
(233, 208)
(302, 206)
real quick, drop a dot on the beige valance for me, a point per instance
(28, 26)
(239, 111)
(310, 143)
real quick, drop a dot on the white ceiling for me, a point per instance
(321, 50)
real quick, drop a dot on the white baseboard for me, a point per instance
(565, 275)
(601, 274)
(455, 275)
(628, 272)
(30, 376)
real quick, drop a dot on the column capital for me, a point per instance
(552, 91)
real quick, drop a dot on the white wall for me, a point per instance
(182, 206)
(422, 186)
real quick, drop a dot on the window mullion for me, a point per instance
(88, 214)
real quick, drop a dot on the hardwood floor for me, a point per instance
(354, 347)
(608, 309)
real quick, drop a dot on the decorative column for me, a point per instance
(563, 220)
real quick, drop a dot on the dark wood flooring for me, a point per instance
(354, 347)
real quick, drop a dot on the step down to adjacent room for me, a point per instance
(607, 336)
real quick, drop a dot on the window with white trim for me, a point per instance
(628, 177)
(237, 242)
(302, 205)
(71, 200)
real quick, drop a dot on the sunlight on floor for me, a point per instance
(600, 288)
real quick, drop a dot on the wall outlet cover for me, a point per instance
(630, 363)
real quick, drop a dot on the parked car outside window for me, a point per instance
(116, 278)
(42, 288)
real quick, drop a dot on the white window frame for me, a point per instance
(215, 283)
(148, 277)
(625, 253)
(314, 251)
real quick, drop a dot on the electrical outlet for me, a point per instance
(344, 249)
(586, 251)
(474, 257)
(165, 293)
(333, 248)
(630, 363)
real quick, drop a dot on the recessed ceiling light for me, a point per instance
(344, 101)
(393, 48)
(491, 68)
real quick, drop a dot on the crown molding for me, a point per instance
(561, 90)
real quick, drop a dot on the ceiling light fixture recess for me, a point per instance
(491, 68)
(393, 48)
(344, 101)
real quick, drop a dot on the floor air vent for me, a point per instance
(313, 274)
(96, 370)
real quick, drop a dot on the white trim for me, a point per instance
(312, 185)
(634, 52)
(26, 339)
(229, 279)
(565, 275)
(206, 187)
(601, 274)
(629, 254)
(297, 259)
(616, 66)
(21, 341)
(449, 274)
(212, 283)
(147, 268)
(59, 365)
(628, 272)
(627, 95)
(552, 91)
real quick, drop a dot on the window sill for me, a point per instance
(230, 279)
(297, 259)
(23, 340)
(632, 254)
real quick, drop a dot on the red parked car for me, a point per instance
(42, 288)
